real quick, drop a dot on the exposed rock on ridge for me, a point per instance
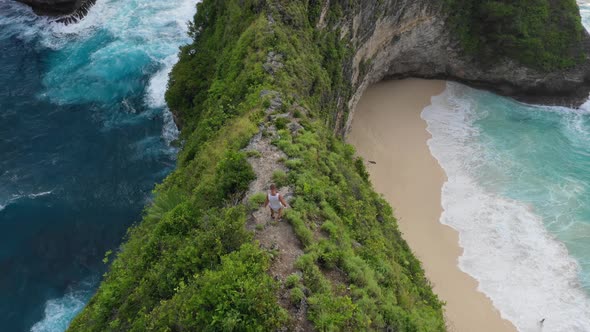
(409, 38)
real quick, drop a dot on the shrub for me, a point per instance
(292, 280)
(361, 170)
(303, 233)
(256, 200)
(281, 123)
(238, 294)
(253, 154)
(234, 174)
(329, 255)
(330, 313)
(164, 202)
(296, 295)
(294, 163)
(280, 178)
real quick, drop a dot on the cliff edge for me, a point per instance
(403, 38)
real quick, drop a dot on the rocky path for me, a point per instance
(277, 237)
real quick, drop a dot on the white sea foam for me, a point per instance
(60, 311)
(140, 32)
(163, 33)
(585, 12)
(155, 98)
(35, 195)
(527, 273)
(7, 201)
(15, 197)
(156, 90)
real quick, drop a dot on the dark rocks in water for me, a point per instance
(66, 11)
(54, 7)
(79, 14)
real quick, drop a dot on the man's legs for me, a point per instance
(280, 214)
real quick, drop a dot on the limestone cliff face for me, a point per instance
(403, 38)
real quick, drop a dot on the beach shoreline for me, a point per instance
(387, 129)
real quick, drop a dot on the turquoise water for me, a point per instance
(84, 136)
(518, 193)
(544, 155)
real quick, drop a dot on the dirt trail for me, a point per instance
(278, 237)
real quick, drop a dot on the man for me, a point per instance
(276, 202)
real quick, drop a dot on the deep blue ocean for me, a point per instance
(84, 136)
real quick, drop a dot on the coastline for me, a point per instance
(387, 129)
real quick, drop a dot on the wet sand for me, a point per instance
(388, 130)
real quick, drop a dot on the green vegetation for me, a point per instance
(281, 123)
(257, 199)
(191, 265)
(253, 154)
(348, 229)
(280, 178)
(539, 33)
(296, 295)
(292, 280)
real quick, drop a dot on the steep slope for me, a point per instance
(265, 84)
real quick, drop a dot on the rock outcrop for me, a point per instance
(411, 38)
(68, 11)
(54, 7)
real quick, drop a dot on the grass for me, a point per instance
(257, 199)
(253, 154)
(292, 280)
(281, 123)
(280, 178)
(296, 296)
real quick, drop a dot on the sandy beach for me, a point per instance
(388, 130)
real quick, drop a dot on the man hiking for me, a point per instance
(276, 202)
